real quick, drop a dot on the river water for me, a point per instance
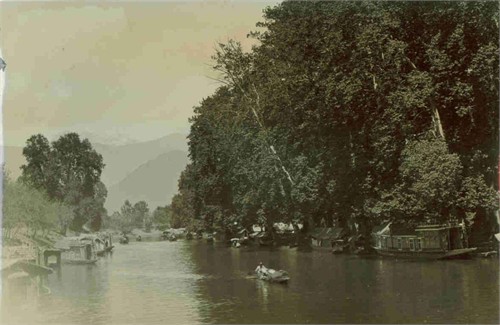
(192, 282)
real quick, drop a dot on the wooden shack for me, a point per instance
(328, 239)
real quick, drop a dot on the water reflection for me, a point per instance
(193, 282)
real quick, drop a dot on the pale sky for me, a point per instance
(121, 71)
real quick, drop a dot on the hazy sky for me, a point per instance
(120, 71)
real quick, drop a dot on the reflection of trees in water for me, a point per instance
(435, 291)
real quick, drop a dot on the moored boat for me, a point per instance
(102, 242)
(77, 251)
(438, 241)
(123, 240)
(168, 235)
(235, 242)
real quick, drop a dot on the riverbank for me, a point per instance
(22, 244)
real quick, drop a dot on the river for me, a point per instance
(192, 282)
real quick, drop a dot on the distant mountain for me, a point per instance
(154, 182)
(123, 159)
(13, 160)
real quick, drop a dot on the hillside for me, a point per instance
(121, 160)
(154, 182)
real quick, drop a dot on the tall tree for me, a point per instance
(69, 171)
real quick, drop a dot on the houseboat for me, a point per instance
(424, 241)
(102, 243)
(77, 250)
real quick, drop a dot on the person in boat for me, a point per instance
(261, 269)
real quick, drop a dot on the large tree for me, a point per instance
(69, 171)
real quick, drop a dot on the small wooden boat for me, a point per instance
(102, 242)
(274, 276)
(167, 235)
(235, 242)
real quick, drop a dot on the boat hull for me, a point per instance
(104, 251)
(280, 277)
(429, 255)
(79, 262)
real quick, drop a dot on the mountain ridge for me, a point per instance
(152, 182)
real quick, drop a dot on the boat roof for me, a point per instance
(68, 242)
(408, 230)
(436, 227)
(382, 228)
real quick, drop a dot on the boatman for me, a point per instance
(261, 268)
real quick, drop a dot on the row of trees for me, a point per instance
(139, 216)
(27, 209)
(130, 217)
(350, 113)
(67, 171)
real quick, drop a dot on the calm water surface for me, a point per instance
(193, 282)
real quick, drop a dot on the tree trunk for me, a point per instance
(437, 121)
(435, 112)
